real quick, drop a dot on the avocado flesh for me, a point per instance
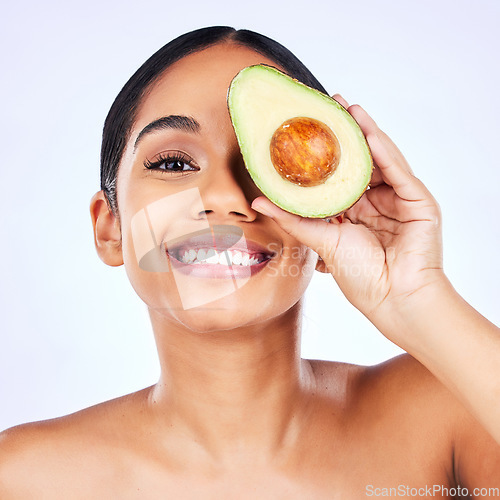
(261, 99)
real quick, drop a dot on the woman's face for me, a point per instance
(185, 196)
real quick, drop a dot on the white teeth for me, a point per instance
(236, 258)
(224, 259)
(210, 256)
(213, 259)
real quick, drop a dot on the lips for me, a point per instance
(220, 251)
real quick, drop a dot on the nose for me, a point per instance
(227, 193)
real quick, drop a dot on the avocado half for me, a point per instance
(303, 150)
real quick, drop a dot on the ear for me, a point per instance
(107, 232)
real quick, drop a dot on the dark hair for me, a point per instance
(121, 116)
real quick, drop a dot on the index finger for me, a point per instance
(393, 168)
(368, 126)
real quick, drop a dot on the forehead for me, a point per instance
(197, 85)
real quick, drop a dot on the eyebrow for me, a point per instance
(179, 122)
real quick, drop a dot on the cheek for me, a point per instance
(292, 273)
(149, 222)
(149, 273)
(297, 263)
(145, 260)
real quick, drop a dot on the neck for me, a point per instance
(243, 389)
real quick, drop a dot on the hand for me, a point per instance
(388, 247)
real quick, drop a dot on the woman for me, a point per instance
(237, 413)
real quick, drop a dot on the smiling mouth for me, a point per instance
(218, 252)
(227, 257)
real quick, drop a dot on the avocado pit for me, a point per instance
(304, 151)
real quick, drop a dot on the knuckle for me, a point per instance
(355, 110)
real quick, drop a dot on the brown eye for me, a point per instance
(171, 163)
(175, 166)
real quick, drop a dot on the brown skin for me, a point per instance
(237, 413)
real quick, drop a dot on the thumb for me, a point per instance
(318, 234)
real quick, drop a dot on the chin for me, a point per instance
(225, 316)
(211, 319)
(211, 306)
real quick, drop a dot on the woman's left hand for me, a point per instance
(388, 248)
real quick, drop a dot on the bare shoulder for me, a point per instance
(402, 376)
(38, 457)
(403, 382)
(475, 454)
(403, 401)
(399, 398)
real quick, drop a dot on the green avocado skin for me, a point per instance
(260, 98)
